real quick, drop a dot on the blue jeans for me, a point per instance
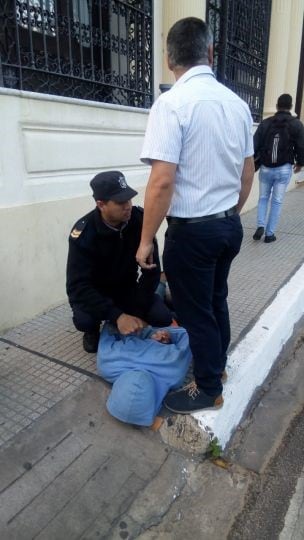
(273, 183)
(197, 259)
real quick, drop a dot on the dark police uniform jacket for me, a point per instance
(102, 273)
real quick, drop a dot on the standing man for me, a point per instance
(199, 143)
(279, 144)
(103, 281)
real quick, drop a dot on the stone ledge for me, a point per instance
(184, 433)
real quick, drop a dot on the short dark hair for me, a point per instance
(284, 102)
(187, 42)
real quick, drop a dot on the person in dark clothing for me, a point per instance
(279, 145)
(102, 272)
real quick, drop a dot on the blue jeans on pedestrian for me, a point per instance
(273, 184)
(197, 259)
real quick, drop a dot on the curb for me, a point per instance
(252, 359)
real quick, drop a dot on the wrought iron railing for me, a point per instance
(90, 49)
(241, 35)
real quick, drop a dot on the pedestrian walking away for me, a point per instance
(279, 150)
(200, 146)
(103, 281)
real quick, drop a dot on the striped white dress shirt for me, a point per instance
(205, 129)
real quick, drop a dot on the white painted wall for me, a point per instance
(51, 147)
(50, 150)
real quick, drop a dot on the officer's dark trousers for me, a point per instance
(158, 315)
(197, 260)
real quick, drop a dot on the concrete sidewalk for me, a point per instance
(68, 470)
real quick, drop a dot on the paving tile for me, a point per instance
(64, 478)
(261, 269)
(29, 389)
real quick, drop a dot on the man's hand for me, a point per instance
(127, 324)
(158, 196)
(296, 168)
(144, 256)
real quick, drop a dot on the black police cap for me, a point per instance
(111, 186)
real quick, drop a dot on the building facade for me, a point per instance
(77, 78)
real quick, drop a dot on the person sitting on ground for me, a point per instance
(142, 367)
(102, 273)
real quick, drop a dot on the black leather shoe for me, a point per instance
(258, 233)
(191, 398)
(271, 238)
(90, 341)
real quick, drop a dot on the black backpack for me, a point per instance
(277, 144)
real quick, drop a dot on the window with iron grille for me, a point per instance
(241, 34)
(98, 50)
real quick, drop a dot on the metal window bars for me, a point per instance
(98, 50)
(241, 35)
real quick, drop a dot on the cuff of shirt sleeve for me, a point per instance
(159, 157)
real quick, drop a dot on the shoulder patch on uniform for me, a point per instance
(75, 233)
(78, 228)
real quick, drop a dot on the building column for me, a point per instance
(173, 10)
(283, 52)
(157, 45)
(294, 48)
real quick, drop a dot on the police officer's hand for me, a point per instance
(127, 324)
(297, 168)
(144, 256)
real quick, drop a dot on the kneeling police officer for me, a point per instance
(103, 278)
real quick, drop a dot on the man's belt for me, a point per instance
(183, 221)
